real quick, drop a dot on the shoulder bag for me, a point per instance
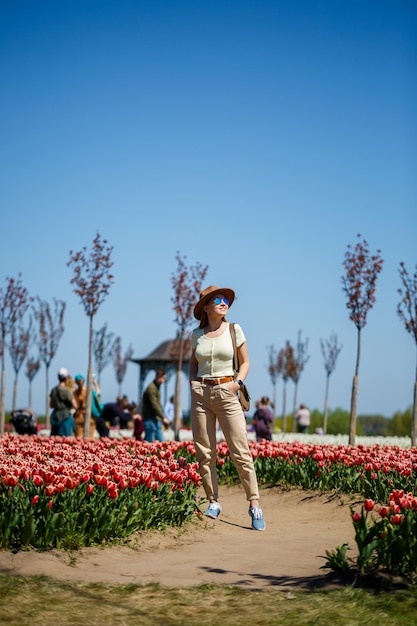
(243, 393)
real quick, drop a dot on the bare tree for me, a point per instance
(285, 365)
(121, 361)
(103, 347)
(407, 310)
(14, 302)
(300, 358)
(32, 368)
(19, 342)
(51, 328)
(92, 280)
(273, 371)
(359, 285)
(186, 282)
(330, 350)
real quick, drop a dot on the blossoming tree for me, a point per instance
(330, 350)
(51, 328)
(14, 302)
(92, 280)
(407, 310)
(359, 284)
(186, 282)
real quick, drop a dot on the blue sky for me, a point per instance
(258, 138)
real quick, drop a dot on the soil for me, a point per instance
(301, 526)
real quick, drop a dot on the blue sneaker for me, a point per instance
(258, 522)
(213, 510)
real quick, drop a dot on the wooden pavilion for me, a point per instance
(164, 356)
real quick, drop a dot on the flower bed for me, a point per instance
(386, 537)
(64, 492)
(373, 471)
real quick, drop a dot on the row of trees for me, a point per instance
(359, 285)
(92, 279)
(288, 363)
(27, 321)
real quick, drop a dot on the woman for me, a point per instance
(214, 387)
(80, 399)
(263, 419)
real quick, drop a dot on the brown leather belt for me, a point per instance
(215, 381)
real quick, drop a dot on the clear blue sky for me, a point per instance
(258, 138)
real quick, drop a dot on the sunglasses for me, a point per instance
(220, 300)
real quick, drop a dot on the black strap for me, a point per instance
(235, 355)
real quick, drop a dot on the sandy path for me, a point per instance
(300, 527)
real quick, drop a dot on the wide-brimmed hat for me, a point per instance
(207, 294)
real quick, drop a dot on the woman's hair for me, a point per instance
(204, 320)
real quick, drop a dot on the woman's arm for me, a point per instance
(244, 363)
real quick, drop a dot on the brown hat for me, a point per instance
(207, 294)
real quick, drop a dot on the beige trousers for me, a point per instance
(208, 404)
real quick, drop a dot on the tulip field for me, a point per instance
(68, 493)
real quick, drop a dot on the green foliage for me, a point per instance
(374, 425)
(338, 422)
(400, 424)
(316, 420)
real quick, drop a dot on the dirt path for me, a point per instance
(300, 528)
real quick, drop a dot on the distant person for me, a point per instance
(138, 427)
(125, 422)
(302, 417)
(152, 411)
(169, 411)
(61, 402)
(80, 399)
(263, 420)
(113, 414)
(96, 404)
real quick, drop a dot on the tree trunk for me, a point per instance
(326, 405)
(14, 393)
(275, 399)
(177, 397)
(3, 397)
(293, 422)
(284, 408)
(47, 409)
(354, 397)
(414, 422)
(353, 404)
(87, 420)
(30, 395)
